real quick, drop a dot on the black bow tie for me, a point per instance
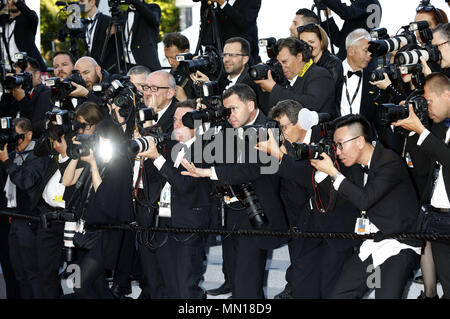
(350, 73)
(365, 169)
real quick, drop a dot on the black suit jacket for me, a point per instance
(432, 150)
(267, 190)
(25, 32)
(145, 30)
(341, 214)
(355, 16)
(101, 35)
(238, 20)
(315, 91)
(388, 196)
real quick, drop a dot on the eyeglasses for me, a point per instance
(232, 55)
(154, 88)
(310, 26)
(438, 45)
(284, 127)
(429, 8)
(340, 145)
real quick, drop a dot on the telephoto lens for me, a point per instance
(69, 247)
(138, 145)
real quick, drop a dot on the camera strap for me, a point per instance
(350, 102)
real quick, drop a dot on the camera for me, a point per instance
(245, 193)
(60, 89)
(260, 133)
(260, 71)
(141, 144)
(115, 3)
(214, 113)
(10, 138)
(19, 79)
(78, 150)
(379, 34)
(429, 52)
(22, 60)
(382, 47)
(312, 151)
(391, 113)
(391, 70)
(209, 63)
(61, 122)
(120, 92)
(180, 76)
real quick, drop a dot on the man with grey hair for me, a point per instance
(356, 96)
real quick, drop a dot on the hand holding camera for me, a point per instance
(411, 123)
(324, 165)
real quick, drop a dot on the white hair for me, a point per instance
(356, 36)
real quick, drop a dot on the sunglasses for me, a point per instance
(310, 26)
(429, 8)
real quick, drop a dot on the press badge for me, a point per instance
(164, 203)
(362, 225)
(58, 199)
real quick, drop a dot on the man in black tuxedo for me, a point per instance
(360, 14)
(97, 31)
(159, 93)
(236, 18)
(309, 84)
(430, 153)
(246, 256)
(141, 30)
(185, 202)
(32, 104)
(384, 194)
(19, 31)
(357, 96)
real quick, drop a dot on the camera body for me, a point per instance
(260, 133)
(208, 63)
(88, 142)
(60, 89)
(390, 113)
(393, 72)
(120, 92)
(61, 122)
(142, 144)
(23, 79)
(312, 151)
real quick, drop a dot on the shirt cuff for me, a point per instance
(319, 177)
(223, 5)
(61, 159)
(338, 182)
(422, 137)
(213, 174)
(159, 162)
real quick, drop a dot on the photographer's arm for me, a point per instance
(29, 14)
(352, 12)
(150, 12)
(71, 174)
(244, 17)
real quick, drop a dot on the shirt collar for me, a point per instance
(161, 113)
(254, 120)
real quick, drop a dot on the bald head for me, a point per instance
(90, 71)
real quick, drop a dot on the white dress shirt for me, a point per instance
(352, 84)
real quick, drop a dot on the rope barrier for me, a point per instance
(293, 233)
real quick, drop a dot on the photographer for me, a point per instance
(141, 31)
(383, 192)
(317, 38)
(245, 256)
(185, 202)
(427, 12)
(175, 43)
(50, 237)
(23, 186)
(19, 27)
(306, 80)
(31, 104)
(430, 153)
(311, 206)
(356, 15)
(235, 18)
(92, 74)
(97, 30)
(441, 39)
(106, 199)
(63, 64)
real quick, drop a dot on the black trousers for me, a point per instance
(50, 245)
(316, 267)
(127, 259)
(23, 255)
(393, 276)
(12, 285)
(441, 257)
(246, 264)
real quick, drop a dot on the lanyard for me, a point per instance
(350, 102)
